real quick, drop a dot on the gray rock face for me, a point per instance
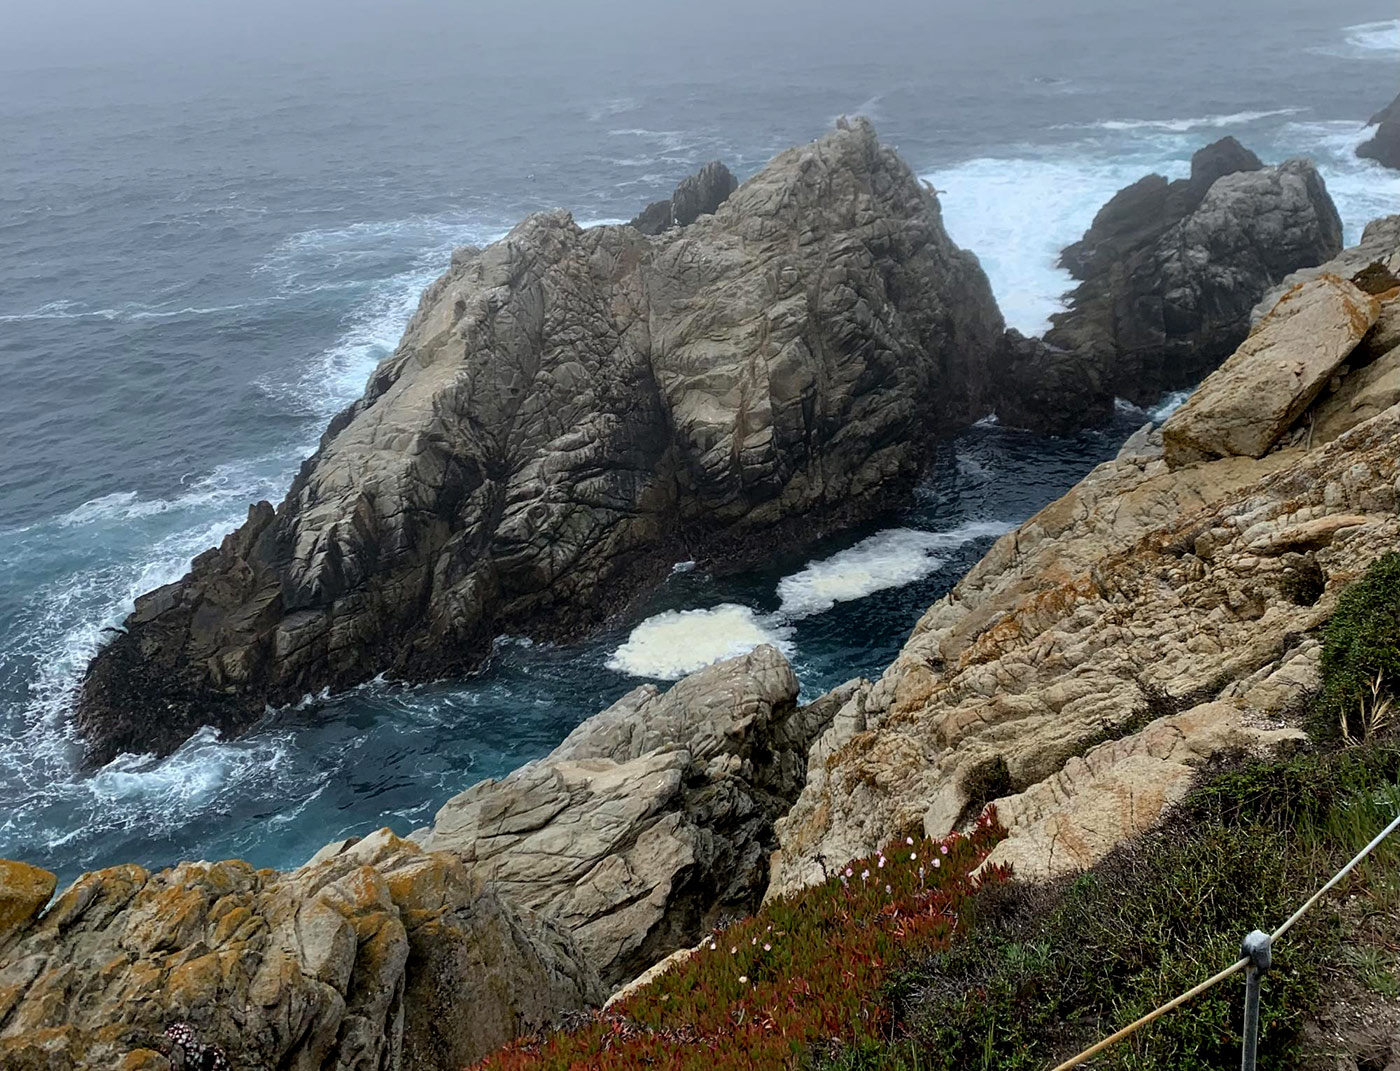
(571, 411)
(700, 194)
(1170, 274)
(373, 955)
(1384, 145)
(653, 819)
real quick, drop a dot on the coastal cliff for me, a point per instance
(570, 412)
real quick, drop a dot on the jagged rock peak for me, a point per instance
(698, 195)
(570, 412)
(1170, 273)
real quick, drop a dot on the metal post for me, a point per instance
(1258, 949)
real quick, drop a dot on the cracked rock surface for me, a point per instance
(1141, 624)
(570, 412)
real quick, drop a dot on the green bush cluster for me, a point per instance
(1361, 640)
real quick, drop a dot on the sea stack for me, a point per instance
(571, 411)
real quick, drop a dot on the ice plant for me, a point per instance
(772, 1000)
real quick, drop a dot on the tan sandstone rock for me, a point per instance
(24, 890)
(1144, 591)
(379, 955)
(1120, 788)
(1287, 361)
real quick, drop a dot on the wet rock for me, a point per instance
(1384, 145)
(1170, 273)
(571, 411)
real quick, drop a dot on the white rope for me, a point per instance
(1238, 965)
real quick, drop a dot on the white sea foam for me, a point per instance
(1165, 407)
(1181, 126)
(1017, 213)
(671, 644)
(1374, 39)
(888, 559)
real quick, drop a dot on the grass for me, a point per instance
(1040, 972)
(1361, 644)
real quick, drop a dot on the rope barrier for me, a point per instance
(1235, 967)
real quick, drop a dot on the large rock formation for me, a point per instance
(1384, 145)
(1150, 619)
(571, 411)
(377, 955)
(654, 819)
(1170, 272)
(647, 826)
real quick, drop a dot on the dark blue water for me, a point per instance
(201, 261)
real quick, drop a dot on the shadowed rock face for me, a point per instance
(666, 803)
(1170, 272)
(1384, 145)
(571, 411)
(699, 195)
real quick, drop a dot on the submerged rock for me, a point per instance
(652, 820)
(373, 955)
(571, 411)
(1170, 272)
(1384, 145)
(1147, 621)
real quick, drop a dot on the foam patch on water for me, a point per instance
(889, 559)
(1373, 40)
(1181, 126)
(671, 644)
(1017, 213)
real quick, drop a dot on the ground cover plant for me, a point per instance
(807, 974)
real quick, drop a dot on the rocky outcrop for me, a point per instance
(570, 412)
(700, 194)
(373, 955)
(1262, 389)
(1170, 272)
(1150, 595)
(528, 898)
(1384, 145)
(652, 820)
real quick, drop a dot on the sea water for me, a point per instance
(203, 262)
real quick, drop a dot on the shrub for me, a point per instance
(1361, 642)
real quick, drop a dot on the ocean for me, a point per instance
(203, 260)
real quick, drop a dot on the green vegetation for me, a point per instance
(1045, 971)
(895, 965)
(1360, 653)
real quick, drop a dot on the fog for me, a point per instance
(651, 34)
